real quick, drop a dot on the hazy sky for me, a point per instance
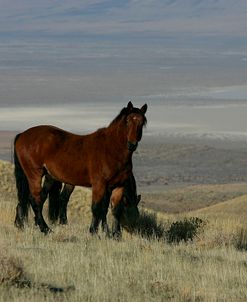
(99, 50)
(109, 17)
(60, 53)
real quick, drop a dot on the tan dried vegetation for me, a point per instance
(70, 265)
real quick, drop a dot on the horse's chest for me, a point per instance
(120, 174)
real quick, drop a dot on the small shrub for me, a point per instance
(184, 230)
(147, 226)
(12, 273)
(241, 239)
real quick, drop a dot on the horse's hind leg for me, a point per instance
(19, 217)
(54, 201)
(37, 200)
(64, 199)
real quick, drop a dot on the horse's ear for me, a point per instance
(144, 108)
(138, 199)
(130, 106)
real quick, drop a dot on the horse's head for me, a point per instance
(130, 212)
(124, 201)
(135, 121)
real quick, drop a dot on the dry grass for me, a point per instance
(11, 270)
(70, 265)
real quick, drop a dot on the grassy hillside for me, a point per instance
(71, 265)
(235, 207)
(192, 197)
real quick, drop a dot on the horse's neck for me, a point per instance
(118, 130)
(117, 137)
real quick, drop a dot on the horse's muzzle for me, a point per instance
(132, 146)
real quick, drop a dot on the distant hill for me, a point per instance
(234, 207)
(204, 199)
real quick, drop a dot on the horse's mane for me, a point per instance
(122, 113)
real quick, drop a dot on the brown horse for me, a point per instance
(59, 197)
(101, 160)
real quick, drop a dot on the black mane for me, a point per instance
(124, 113)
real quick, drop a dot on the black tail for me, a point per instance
(54, 201)
(23, 191)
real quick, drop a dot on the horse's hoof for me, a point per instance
(19, 224)
(107, 235)
(46, 231)
(19, 220)
(93, 231)
(63, 221)
(116, 236)
(106, 231)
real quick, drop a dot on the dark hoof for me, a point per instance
(53, 221)
(93, 230)
(63, 221)
(19, 217)
(35, 221)
(108, 234)
(19, 223)
(106, 231)
(117, 236)
(46, 230)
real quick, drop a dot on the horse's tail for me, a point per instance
(23, 191)
(54, 201)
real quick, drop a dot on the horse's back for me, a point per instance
(38, 134)
(41, 142)
(48, 149)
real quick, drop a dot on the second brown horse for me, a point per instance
(59, 195)
(101, 160)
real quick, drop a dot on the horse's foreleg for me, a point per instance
(96, 217)
(64, 199)
(117, 209)
(97, 207)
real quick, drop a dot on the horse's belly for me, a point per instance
(69, 174)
